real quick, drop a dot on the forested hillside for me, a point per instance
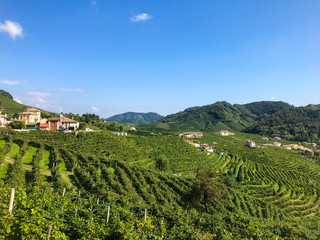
(70, 182)
(134, 118)
(218, 116)
(295, 123)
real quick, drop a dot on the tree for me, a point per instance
(18, 124)
(209, 191)
(162, 162)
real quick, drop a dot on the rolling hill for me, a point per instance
(294, 123)
(135, 118)
(218, 116)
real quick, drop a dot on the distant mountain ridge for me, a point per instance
(219, 115)
(135, 118)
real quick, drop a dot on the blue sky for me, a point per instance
(109, 57)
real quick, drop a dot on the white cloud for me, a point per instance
(38, 94)
(140, 17)
(71, 89)
(95, 109)
(273, 98)
(17, 100)
(94, 2)
(13, 28)
(9, 82)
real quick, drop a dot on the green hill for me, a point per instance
(134, 118)
(9, 105)
(12, 107)
(294, 123)
(218, 116)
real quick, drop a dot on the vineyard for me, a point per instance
(73, 182)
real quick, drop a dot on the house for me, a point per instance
(195, 144)
(89, 130)
(287, 146)
(250, 143)
(277, 144)
(188, 141)
(31, 115)
(265, 139)
(308, 152)
(121, 133)
(44, 126)
(132, 129)
(191, 134)
(206, 147)
(62, 123)
(277, 138)
(224, 133)
(3, 120)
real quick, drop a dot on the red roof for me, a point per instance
(205, 144)
(3, 116)
(188, 141)
(44, 125)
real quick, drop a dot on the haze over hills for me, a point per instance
(135, 118)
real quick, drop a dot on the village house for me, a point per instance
(206, 147)
(121, 133)
(132, 129)
(44, 126)
(277, 138)
(191, 134)
(308, 152)
(3, 120)
(224, 133)
(277, 144)
(265, 139)
(195, 144)
(31, 115)
(250, 143)
(62, 123)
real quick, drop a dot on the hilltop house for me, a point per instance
(132, 129)
(62, 123)
(191, 134)
(121, 133)
(224, 133)
(308, 152)
(277, 138)
(277, 144)
(30, 116)
(250, 143)
(265, 139)
(3, 120)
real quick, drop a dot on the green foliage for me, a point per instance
(18, 124)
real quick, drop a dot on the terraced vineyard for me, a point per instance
(269, 196)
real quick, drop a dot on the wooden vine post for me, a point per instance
(108, 213)
(49, 232)
(11, 200)
(145, 215)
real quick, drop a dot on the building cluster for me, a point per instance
(191, 134)
(225, 133)
(33, 120)
(203, 147)
(121, 133)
